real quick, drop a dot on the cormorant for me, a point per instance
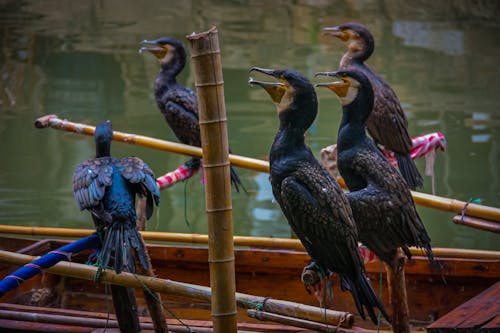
(177, 103)
(380, 199)
(107, 187)
(311, 200)
(387, 123)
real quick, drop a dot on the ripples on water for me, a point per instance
(80, 61)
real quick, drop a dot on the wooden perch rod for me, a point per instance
(264, 242)
(246, 301)
(423, 199)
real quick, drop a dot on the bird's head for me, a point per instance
(165, 49)
(353, 88)
(292, 93)
(357, 37)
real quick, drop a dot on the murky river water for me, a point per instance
(79, 60)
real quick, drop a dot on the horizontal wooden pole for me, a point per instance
(309, 325)
(148, 142)
(423, 199)
(477, 223)
(263, 242)
(85, 322)
(247, 301)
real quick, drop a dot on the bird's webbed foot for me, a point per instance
(317, 277)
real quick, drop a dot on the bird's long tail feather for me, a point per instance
(125, 305)
(409, 171)
(120, 239)
(235, 180)
(364, 297)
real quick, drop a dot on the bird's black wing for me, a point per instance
(90, 180)
(180, 109)
(320, 215)
(388, 124)
(384, 211)
(135, 171)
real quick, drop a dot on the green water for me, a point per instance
(79, 60)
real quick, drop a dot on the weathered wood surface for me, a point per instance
(479, 314)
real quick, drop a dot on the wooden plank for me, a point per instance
(469, 316)
(487, 306)
(22, 326)
(493, 325)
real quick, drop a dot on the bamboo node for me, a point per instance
(221, 209)
(205, 54)
(216, 165)
(209, 84)
(203, 122)
(224, 314)
(218, 261)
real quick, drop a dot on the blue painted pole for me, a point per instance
(35, 267)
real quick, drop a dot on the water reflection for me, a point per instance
(80, 61)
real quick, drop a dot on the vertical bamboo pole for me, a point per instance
(205, 56)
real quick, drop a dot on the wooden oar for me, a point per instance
(423, 199)
(263, 242)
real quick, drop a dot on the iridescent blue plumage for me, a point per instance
(107, 187)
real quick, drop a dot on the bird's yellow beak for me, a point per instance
(159, 51)
(337, 32)
(341, 88)
(275, 89)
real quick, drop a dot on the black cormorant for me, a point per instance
(387, 123)
(177, 103)
(311, 200)
(380, 199)
(107, 187)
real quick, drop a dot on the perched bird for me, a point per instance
(387, 123)
(177, 103)
(311, 200)
(380, 199)
(107, 187)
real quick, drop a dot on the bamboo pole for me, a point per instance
(205, 57)
(307, 324)
(477, 223)
(53, 121)
(246, 301)
(423, 199)
(263, 242)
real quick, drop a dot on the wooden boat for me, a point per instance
(271, 273)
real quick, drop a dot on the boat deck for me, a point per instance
(479, 314)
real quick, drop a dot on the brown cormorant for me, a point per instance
(107, 187)
(311, 200)
(177, 103)
(387, 123)
(380, 199)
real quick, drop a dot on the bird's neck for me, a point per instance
(351, 59)
(351, 130)
(287, 141)
(357, 54)
(102, 150)
(171, 69)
